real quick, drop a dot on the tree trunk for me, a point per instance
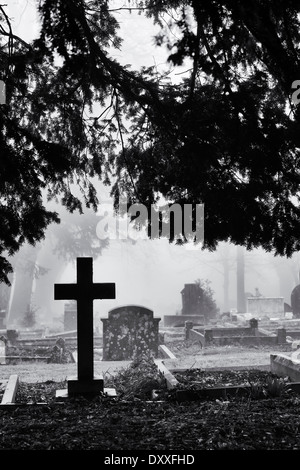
(226, 285)
(43, 296)
(240, 277)
(21, 291)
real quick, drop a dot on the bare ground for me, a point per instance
(191, 355)
(188, 355)
(112, 426)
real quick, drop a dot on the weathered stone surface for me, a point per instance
(129, 330)
(192, 298)
(2, 351)
(179, 320)
(70, 316)
(295, 301)
(285, 366)
(266, 306)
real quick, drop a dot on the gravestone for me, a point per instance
(287, 307)
(12, 336)
(70, 316)
(192, 308)
(192, 295)
(266, 306)
(128, 331)
(84, 292)
(295, 301)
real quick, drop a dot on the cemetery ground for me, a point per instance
(266, 417)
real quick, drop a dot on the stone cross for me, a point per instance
(84, 292)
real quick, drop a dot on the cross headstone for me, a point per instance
(85, 292)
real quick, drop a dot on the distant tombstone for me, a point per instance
(12, 336)
(253, 323)
(70, 316)
(287, 307)
(265, 306)
(128, 331)
(191, 299)
(295, 301)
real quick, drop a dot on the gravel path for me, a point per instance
(186, 357)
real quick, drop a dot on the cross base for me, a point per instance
(62, 395)
(84, 387)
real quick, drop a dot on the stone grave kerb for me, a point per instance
(85, 291)
(3, 346)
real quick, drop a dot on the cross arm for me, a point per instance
(65, 292)
(104, 290)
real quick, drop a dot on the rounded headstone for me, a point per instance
(295, 301)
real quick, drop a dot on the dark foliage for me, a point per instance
(227, 135)
(123, 425)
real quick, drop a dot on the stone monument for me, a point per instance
(84, 292)
(70, 316)
(192, 296)
(192, 301)
(129, 331)
(295, 301)
(266, 306)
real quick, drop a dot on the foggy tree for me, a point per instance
(287, 271)
(240, 280)
(208, 304)
(229, 141)
(222, 260)
(26, 270)
(222, 136)
(74, 236)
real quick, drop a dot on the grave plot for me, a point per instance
(219, 336)
(149, 379)
(58, 353)
(199, 384)
(132, 329)
(34, 394)
(14, 392)
(254, 384)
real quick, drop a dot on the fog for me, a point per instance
(150, 272)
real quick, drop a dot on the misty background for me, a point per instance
(147, 272)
